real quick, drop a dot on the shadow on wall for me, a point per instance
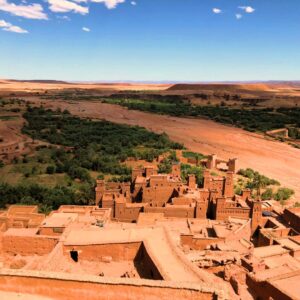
(145, 265)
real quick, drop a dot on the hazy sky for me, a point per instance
(184, 40)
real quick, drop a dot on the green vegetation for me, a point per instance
(93, 145)
(259, 182)
(165, 166)
(267, 194)
(46, 198)
(189, 154)
(283, 194)
(80, 150)
(294, 133)
(7, 118)
(256, 179)
(187, 169)
(262, 119)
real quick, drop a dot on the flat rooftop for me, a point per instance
(156, 241)
(263, 252)
(21, 232)
(289, 285)
(99, 236)
(59, 219)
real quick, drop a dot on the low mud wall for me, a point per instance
(66, 286)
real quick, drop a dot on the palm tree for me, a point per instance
(259, 183)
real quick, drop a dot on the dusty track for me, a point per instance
(274, 159)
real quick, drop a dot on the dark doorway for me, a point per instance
(74, 255)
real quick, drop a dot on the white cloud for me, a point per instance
(133, 3)
(110, 4)
(15, 29)
(31, 11)
(86, 29)
(63, 6)
(4, 23)
(217, 10)
(247, 9)
(12, 28)
(238, 16)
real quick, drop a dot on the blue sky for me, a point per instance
(150, 40)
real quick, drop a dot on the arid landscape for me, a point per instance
(149, 150)
(137, 190)
(270, 157)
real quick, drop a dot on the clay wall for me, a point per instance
(196, 243)
(109, 204)
(21, 220)
(81, 210)
(158, 195)
(191, 181)
(172, 212)
(235, 212)
(124, 213)
(217, 185)
(201, 210)
(229, 185)
(146, 266)
(9, 149)
(264, 239)
(150, 171)
(204, 195)
(244, 232)
(117, 251)
(136, 172)
(213, 162)
(266, 236)
(232, 165)
(100, 188)
(176, 171)
(182, 200)
(283, 132)
(246, 194)
(14, 209)
(256, 215)
(266, 290)
(96, 288)
(292, 217)
(28, 245)
(192, 160)
(51, 231)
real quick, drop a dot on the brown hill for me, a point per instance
(221, 87)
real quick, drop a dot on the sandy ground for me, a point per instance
(21, 296)
(13, 86)
(274, 159)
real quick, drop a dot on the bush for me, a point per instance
(94, 145)
(283, 194)
(51, 169)
(187, 169)
(267, 194)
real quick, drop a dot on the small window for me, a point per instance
(74, 255)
